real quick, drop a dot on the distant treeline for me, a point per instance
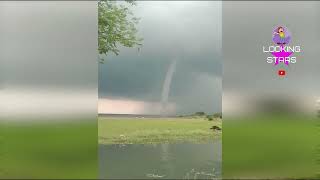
(210, 117)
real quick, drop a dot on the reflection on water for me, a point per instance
(160, 161)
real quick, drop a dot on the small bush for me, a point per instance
(217, 115)
(200, 114)
(210, 118)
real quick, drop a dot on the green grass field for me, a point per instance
(156, 130)
(48, 150)
(271, 147)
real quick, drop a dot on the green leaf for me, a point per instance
(117, 26)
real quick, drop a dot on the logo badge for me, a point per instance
(280, 53)
(281, 72)
(281, 35)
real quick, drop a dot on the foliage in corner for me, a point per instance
(117, 26)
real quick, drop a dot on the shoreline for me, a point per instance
(157, 130)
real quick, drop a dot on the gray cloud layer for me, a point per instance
(247, 26)
(189, 31)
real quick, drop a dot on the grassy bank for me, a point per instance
(48, 150)
(271, 147)
(156, 130)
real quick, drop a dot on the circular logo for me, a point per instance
(281, 35)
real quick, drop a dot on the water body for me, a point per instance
(160, 161)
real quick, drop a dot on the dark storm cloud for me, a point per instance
(48, 64)
(48, 43)
(187, 31)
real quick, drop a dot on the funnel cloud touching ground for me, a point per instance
(166, 86)
(187, 33)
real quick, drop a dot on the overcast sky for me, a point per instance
(245, 34)
(48, 67)
(247, 27)
(187, 31)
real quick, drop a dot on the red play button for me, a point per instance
(281, 72)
